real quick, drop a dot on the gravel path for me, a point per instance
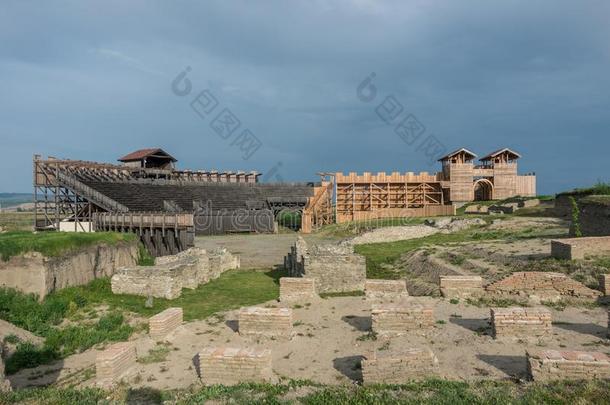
(394, 233)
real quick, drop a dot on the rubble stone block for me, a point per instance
(258, 321)
(399, 318)
(5, 384)
(544, 285)
(545, 365)
(114, 362)
(522, 323)
(163, 323)
(578, 248)
(145, 281)
(391, 367)
(461, 286)
(604, 284)
(232, 365)
(297, 289)
(379, 289)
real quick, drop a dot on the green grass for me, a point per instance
(17, 221)
(232, 290)
(433, 391)
(347, 229)
(601, 188)
(54, 243)
(155, 355)
(381, 256)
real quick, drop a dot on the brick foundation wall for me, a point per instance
(578, 248)
(112, 363)
(545, 365)
(230, 365)
(461, 286)
(375, 289)
(258, 321)
(390, 367)
(397, 319)
(164, 322)
(297, 289)
(604, 284)
(594, 217)
(335, 268)
(522, 323)
(543, 285)
(145, 281)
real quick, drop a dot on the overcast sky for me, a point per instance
(93, 80)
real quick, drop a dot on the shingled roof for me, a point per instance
(455, 152)
(498, 152)
(144, 153)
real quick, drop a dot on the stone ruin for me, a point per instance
(461, 286)
(578, 248)
(539, 286)
(521, 323)
(398, 318)
(297, 289)
(604, 284)
(385, 289)
(265, 322)
(335, 268)
(162, 324)
(114, 363)
(545, 365)
(232, 365)
(397, 367)
(5, 385)
(170, 274)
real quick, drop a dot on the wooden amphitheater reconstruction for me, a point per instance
(145, 194)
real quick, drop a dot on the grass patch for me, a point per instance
(53, 244)
(155, 355)
(17, 221)
(342, 294)
(433, 391)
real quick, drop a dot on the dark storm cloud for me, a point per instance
(92, 80)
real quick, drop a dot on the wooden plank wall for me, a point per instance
(526, 185)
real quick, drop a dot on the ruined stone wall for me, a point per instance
(297, 289)
(335, 268)
(546, 286)
(34, 273)
(604, 284)
(231, 365)
(385, 289)
(545, 365)
(398, 367)
(461, 286)
(398, 318)
(521, 323)
(114, 362)
(595, 216)
(162, 324)
(578, 248)
(5, 385)
(258, 321)
(171, 274)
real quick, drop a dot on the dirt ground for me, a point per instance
(330, 340)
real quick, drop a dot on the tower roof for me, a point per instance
(512, 153)
(458, 151)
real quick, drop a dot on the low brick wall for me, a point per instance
(385, 289)
(578, 248)
(391, 367)
(112, 363)
(230, 365)
(545, 365)
(145, 281)
(595, 215)
(258, 321)
(160, 325)
(542, 285)
(399, 318)
(461, 286)
(297, 289)
(522, 323)
(335, 268)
